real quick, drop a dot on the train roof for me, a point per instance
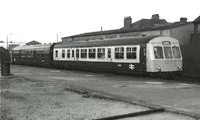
(109, 42)
(32, 47)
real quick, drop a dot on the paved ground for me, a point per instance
(174, 96)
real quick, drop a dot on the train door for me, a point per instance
(143, 57)
(77, 55)
(73, 54)
(109, 54)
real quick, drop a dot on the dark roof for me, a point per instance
(33, 43)
(144, 23)
(111, 42)
(32, 47)
(117, 31)
(197, 20)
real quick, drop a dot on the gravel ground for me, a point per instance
(25, 99)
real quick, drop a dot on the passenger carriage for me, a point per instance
(146, 54)
(35, 55)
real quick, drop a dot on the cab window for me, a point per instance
(176, 52)
(158, 52)
(168, 52)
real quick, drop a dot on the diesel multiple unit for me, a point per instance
(146, 54)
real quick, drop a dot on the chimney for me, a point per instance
(183, 19)
(127, 22)
(155, 17)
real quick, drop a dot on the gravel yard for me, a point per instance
(25, 99)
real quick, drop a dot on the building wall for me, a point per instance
(199, 28)
(182, 33)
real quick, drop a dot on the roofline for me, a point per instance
(121, 30)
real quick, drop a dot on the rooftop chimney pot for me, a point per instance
(155, 17)
(127, 22)
(183, 19)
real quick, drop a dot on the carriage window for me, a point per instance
(101, 53)
(56, 53)
(109, 52)
(68, 53)
(119, 53)
(92, 53)
(131, 52)
(63, 53)
(77, 53)
(73, 53)
(176, 52)
(168, 52)
(83, 53)
(158, 52)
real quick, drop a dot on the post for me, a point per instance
(57, 37)
(7, 41)
(5, 62)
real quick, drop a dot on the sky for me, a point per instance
(43, 20)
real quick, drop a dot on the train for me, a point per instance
(131, 55)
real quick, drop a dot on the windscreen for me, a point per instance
(168, 52)
(176, 52)
(158, 52)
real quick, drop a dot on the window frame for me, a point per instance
(179, 52)
(101, 53)
(132, 50)
(83, 53)
(119, 52)
(63, 53)
(92, 52)
(161, 57)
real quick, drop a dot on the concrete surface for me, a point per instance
(174, 96)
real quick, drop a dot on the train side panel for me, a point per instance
(111, 64)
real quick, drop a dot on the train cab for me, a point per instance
(163, 55)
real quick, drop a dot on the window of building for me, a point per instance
(101, 53)
(158, 52)
(77, 53)
(109, 52)
(83, 53)
(168, 52)
(56, 53)
(131, 52)
(68, 53)
(63, 53)
(119, 53)
(176, 52)
(92, 53)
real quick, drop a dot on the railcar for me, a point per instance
(34, 55)
(146, 54)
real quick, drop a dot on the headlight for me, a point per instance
(179, 67)
(159, 68)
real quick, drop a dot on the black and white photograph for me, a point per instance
(99, 60)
